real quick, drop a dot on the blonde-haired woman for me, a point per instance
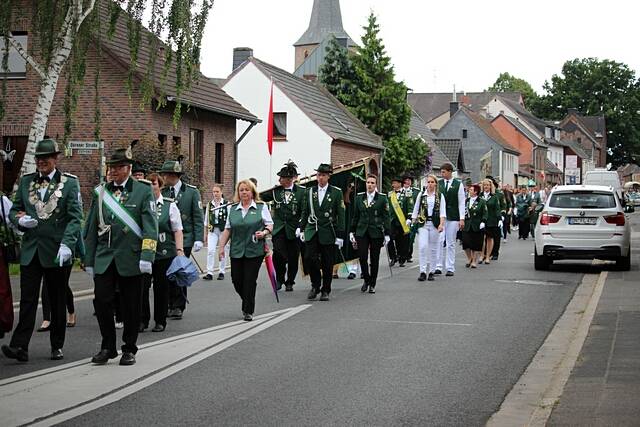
(429, 214)
(494, 220)
(248, 223)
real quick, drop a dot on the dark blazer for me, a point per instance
(475, 214)
(370, 219)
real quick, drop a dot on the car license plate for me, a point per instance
(582, 221)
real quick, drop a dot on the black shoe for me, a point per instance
(127, 359)
(401, 264)
(449, 273)
(438, 271)
(159, 328)
(324, 296)
(364, 287)
(372, 289)
(422, 277)
(431, 278)
(103, 356)
(221, 276)
(207, 277)
(176, 314)
(248, 317)
(57, 354)
(17, 353)
(313, 293)
(288, 288)
(392, 263)
(351, 276)
(142, 327)
(494, 257)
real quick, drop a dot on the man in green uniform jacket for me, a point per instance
(454, 197)
(410, 190)
(322, 223)
(369, 230)
(47, 209)
(121, 236)
(189, 202)
(504, 207)
(286, 200)
(399, 223)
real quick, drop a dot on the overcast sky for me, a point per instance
(436, 44)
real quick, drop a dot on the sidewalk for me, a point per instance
(604, 386)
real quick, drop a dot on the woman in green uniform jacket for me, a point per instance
(474, 223)
(248, 223)
(494, 219)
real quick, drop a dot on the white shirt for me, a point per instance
(370, 197)
(42, 191)
(486, 195)
(177, 187)
(212, 205)
(431, 201)
(266, 215)
(174, 215)
(321, 192)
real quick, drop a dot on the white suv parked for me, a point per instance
(582, 222)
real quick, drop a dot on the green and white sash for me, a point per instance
(106, 198)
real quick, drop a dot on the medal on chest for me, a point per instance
(45, 210)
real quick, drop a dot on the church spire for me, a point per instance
(325, 19)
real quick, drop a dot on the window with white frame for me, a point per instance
(17, 64)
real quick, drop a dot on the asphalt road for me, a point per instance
(415, 353)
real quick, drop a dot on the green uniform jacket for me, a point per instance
(493, 210)
(503, 202)
(372, 220)
(190, 205)
(522, 205)
(286, 210)
(406, 206)
(121, 245)
(476, 214)
(62, 226)
(451, 197)
(243, 229)
(330, 216)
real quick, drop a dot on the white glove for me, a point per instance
(64, 254)
(481, 225)
(27, 222)
(339, 243)
(408, 222)
(298, 232)
(89, 271)
(387, 239)
(301, 236)
(197, 245)
(352, 238)
(500, 223)
(145, 267)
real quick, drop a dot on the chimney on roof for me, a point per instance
(453, 107)
(240, 56)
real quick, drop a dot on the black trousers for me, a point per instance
(523, 228)
(244, 276)
(285, 258)
(46, 304)
(399, 244)
(506, 227)
(369, 248)
(177, 294)
(319, 258)
(55, 280)
(145, 309)
(130, 301)
(496, 241)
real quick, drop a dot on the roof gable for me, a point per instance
(432, 105)
(452, 148)
(485, 126)
(326, 19)
(419, 129)
(521, 129)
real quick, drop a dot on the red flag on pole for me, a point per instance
(270, 123)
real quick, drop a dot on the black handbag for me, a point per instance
(10, 244)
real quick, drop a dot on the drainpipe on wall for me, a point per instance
(235, 152)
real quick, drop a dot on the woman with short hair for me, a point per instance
(474, 223)
(494, 219)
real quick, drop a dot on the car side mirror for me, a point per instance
(629, 209)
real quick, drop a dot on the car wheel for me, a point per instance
(541, 262)
(624, 262)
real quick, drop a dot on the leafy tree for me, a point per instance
(337, 73)
(63, 30)
(380, 102)
(595, 87)
(508, 83)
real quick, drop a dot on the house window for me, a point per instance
(17, 64)
(579, 140)
(196, 138)
(219, 164)
(464, 133)
(162, 139)
(280, 126)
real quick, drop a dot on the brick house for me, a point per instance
(206, 133)
(310, 125)
(590, 132)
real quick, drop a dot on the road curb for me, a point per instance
(538, 390)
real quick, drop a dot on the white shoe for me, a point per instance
(119, 325)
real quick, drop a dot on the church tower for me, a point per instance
(326, 19)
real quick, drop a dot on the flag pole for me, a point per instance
(270, 135)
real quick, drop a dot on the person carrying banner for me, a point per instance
(454, 196)
(215, 218)
(121, 235)
(322, 223)
(401, 205)
(370, 230)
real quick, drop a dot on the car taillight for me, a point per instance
(617, 219)
(547, 219)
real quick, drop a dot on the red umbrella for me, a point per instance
(271, 272)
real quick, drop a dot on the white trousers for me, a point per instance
(212, 252)
(429, 246)
(448, 256)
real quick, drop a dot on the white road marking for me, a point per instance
(58, 394)
(409, 322)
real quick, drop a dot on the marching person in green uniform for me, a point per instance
(46, 207)
(504, 208)
(410, 190)
(121, 235)
(473, 231)
(187, 197)
(493, 223)
(523, 213)
(401, 206)
(370, 230)
(287, 200)
(215, 218)
(322, 222)
(454, 196)
(537, 204)
(248, 223)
